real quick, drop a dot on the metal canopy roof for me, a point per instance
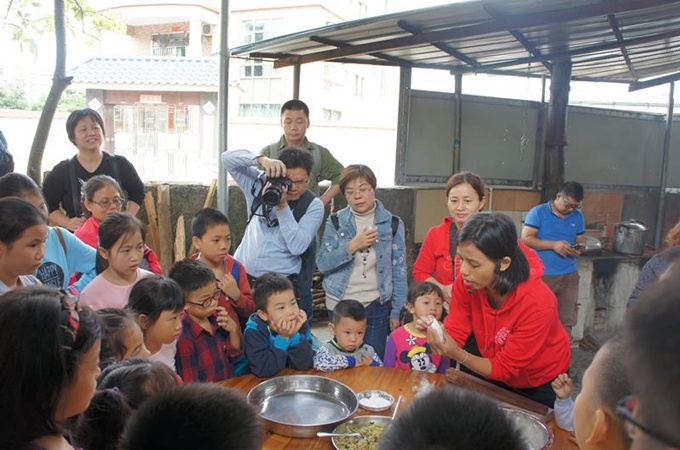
(629, 41)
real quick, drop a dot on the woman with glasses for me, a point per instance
(363, 256)
(85, 129)
(102, 196)
(500, 297)
(556, 230)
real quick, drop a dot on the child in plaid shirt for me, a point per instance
(210, 342)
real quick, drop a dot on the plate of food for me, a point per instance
(370, 427)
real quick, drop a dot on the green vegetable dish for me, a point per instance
(372, 433)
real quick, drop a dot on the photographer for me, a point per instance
(283, 216)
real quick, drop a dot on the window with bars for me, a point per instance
(169, 44)
(267, 110)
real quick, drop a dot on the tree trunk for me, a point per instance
(59, 84)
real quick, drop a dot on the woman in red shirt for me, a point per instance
(512, 313)
(437, 261)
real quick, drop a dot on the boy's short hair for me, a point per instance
(195, 415)
(267, 285)
(352, 309)
(612, 382)
(206, 219)
(452, 418)
(154, 294)
(191, 275)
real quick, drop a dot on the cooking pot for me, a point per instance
(629, 237)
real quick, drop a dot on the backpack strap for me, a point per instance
(274, 150)
(302, 204)
(236, 271)
(453, 246)
(335, 221)
(61, 240)
(395, 225)
(316, 168)
(75, 189)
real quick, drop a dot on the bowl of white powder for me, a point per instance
(375, 400)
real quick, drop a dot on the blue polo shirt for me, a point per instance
(552, 227)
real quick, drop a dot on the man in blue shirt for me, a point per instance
(276, 236)
(556, 230)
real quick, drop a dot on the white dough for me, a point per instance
(436, 326)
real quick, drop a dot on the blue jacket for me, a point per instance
(59, 264)
(269, 352)
(334, 260)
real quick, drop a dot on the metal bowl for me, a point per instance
(535, 434)
(301, 405)
(365, 396)
(345, 427)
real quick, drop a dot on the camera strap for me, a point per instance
(258, 203)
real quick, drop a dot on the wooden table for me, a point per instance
(395, 381)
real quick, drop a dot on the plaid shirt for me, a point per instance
(202, 356)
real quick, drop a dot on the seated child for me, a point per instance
(211, 235)
(138, 379)
(23, 230)
(121, 336)
(277, 335)
(195, 415)
(120, 252)
(347, 348)
(593, 417)
(451, 417)
(210, 342)
(158, 303)
(102, 196)
(123, 387)
(64, 253)
(407, 347)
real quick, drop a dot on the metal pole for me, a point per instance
(223, 109)
(458, 122)
(402, 125)
(661, 214)
(538, 148)
(296, 81)
(555, 139)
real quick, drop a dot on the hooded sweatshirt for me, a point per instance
(524, 339)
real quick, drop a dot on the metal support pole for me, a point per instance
(223, 109)
(458, 122)
(402, 125)
(296, 81)
(555, 139)
(540, 127)
(661, 213)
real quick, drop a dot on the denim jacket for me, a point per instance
(335, 262)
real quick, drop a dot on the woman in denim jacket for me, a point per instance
(362, 258)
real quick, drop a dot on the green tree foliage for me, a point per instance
(13, 97)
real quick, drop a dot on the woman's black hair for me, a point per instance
(113, 228)
(154, 294)
(18, 185)
(16, 215)
(494, 234)
(102, 423)
(116, 323)
(96, 183)
(138, 379)
(78, 115)
(37, 366)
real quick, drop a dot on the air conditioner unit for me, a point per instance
(206, 29)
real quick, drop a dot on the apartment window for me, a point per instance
(266, 110)
(261, 29)
(358, 86)
(332, 115)
(169, 44)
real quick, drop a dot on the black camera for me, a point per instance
(272, 195)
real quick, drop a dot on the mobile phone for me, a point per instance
(578, 246)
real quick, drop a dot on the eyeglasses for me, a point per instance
(209, 301)
(625, 410)
(69, 320)
(300, 183)
(362, 191)
(106, 203)
(570, 205)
